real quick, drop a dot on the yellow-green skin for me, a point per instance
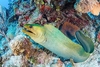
(55, 41)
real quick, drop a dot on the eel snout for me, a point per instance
(28, 29)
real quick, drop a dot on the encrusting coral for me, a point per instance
(86, 6)
(50, 37)
(21, 45)
(96, 9)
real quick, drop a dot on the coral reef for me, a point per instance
(21, 62)
(67, 17)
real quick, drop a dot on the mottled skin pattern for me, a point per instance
(55, 41)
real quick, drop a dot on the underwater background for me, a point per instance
(49, 33)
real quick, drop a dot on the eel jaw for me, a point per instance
(28, 31)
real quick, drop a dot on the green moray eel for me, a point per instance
(55, 41)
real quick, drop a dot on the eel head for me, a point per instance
(35, 31)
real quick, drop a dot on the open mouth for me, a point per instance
(29, 31)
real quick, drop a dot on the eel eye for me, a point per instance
(30, 26)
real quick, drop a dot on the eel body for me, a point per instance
(86, 42)
(54, 40)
